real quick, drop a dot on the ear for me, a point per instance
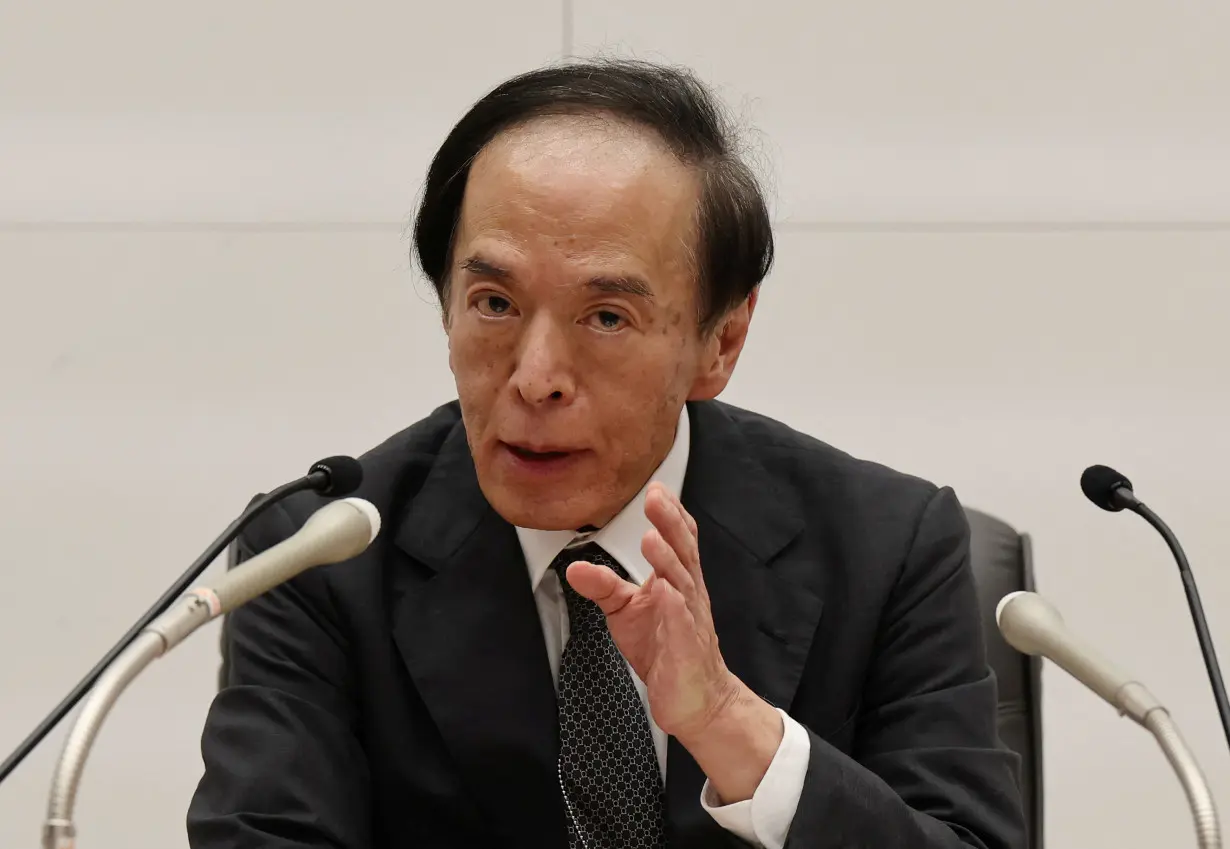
(446, 313)
(722, 350)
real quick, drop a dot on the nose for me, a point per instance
(544, 366)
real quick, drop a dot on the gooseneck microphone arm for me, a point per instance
(334, 476)
(1195, 787)
(336, 532)
(59, 830)
(177, 589)
(1031, 625)
(1197, 609)
(1112, 491)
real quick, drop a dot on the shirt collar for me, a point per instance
(621, 537)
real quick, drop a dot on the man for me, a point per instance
(605, 609)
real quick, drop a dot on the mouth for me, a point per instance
(540, 457)
(536, 454)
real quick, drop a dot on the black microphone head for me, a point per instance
(1101, 485)
(336, 476)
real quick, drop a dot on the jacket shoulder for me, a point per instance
(814, 467)
(393, 471)
(408, 454)
(862, 521)
(864, 511)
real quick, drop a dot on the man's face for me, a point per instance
(572, 317)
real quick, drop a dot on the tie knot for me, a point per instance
(581, 609)
(590, 552)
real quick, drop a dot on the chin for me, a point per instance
(537, 510)
(546, 518)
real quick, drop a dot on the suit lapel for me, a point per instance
(469, 633)
(764, 621)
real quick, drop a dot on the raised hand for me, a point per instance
(665, 627)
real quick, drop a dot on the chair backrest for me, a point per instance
(1002, 562)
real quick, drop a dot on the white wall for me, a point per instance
(1004, 253)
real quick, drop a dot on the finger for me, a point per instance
(668, 516)
(669, 607)
(600, 585)
(666, 563)
(684, 543)
(681, 644)
(675, 500)
(698, 573)
(687, 518)
(678, 623)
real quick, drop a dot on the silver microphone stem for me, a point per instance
(59, 830)
(1208, 832)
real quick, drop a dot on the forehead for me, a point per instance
(581, 185)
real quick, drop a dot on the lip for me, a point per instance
(543, 461)
(539, 449)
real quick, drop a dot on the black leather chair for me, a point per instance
(1003, 563)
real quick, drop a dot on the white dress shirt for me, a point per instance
(763, 820)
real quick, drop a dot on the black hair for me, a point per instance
(735, 235)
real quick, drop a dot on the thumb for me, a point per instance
(600, 585)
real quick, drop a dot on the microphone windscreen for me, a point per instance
(342, 475)
(1099, 484)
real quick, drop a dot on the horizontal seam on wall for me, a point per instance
(780, 226)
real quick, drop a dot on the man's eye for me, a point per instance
(608, 320)
(494, 305)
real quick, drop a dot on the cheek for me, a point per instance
(478, 386)
(475, 362)
(642, 387)
(656, 367)
(677, 367)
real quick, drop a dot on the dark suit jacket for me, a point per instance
(404, 699)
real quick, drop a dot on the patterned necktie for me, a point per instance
(608, 767)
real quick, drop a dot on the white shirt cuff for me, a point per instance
(764, 820)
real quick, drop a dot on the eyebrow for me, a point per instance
(623, 284)
(476, 265)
